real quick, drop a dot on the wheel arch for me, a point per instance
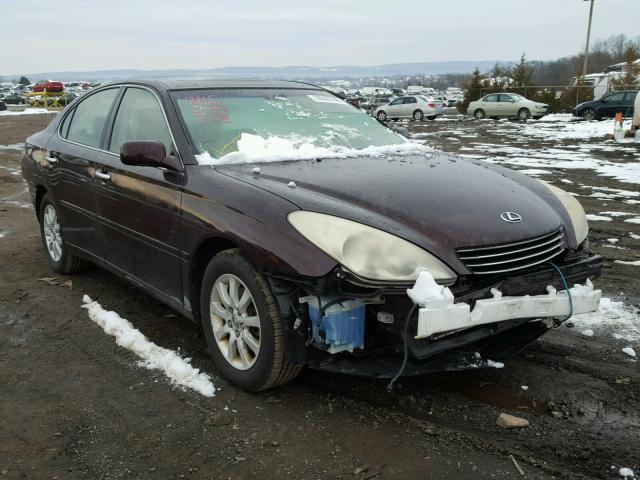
(204, 252)
(41, 191)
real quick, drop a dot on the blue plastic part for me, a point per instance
(341, 328)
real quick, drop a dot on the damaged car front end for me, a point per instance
(350, 324)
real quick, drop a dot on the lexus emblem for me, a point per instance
(511, 217)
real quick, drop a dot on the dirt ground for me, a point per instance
(76, 406)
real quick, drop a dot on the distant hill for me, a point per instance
(292, 72)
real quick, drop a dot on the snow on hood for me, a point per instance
(256, 149)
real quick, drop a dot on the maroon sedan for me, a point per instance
(300, 231)
(49, 86)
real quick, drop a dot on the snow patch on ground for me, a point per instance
(629, 351)
(176, 368)
(615, 318)
(624, 262)
(493, 364)
(597, 218)
(13, 146)
(28, 111)
(626, 473)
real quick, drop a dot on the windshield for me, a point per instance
(240, 126)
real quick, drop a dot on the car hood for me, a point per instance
(437, 201)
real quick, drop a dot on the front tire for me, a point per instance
(242, 324)
(56, 250)
(381, 115)
(524, 114)
(589, 114)
(479, 114)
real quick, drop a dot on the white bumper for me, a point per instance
(456, 316)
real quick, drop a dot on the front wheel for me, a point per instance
(524, 114)
(242, 324)
(418, 115)
(54, 246)
(382, 116)
(589, 114)
(479, 114)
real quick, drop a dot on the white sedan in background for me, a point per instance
(417, 107)
(497, 105)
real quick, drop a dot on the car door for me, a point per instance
(409, 105)
(612, 104)
(139, 207)
(629, 99)
(490, 105)
(70, 168)
(506, 106)
(394, 109)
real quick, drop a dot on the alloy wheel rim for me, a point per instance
(51, 227)
(382, 116)
(417, 116)
(524, 114)
(479, 114)
(235, 322)
(589, 115)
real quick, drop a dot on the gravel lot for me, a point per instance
(77, 406)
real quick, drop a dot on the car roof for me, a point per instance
(206, 83)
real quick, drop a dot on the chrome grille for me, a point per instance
(509, 257)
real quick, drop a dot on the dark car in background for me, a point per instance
(300, 231)
(608, 106)
(3, 106)
(13, 99)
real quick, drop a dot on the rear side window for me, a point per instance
(506, 98)
(139, 118)
(616, 97)
(89, 118)
(491, 98)
(410, 100)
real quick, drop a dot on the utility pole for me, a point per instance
(586, 48)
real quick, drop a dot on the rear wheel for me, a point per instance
(418, 115)
(524, 114)
(54, 246)
(479, 114)
(589, 114)
(431, 117)
(242, 324)
(382, 116)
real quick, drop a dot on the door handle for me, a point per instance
(51, 159)
(103, 176)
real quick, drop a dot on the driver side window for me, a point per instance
(139, 118)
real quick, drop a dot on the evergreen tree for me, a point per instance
(472, 91)
(24, 81)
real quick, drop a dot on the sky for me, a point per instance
(87, 35)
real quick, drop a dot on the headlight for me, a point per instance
(575, 210)
(368, 252)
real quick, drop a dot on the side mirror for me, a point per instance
(148, 154)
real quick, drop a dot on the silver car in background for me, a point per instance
(497, 105)
(417, 107)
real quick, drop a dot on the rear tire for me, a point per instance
(479, 114)
(418, 115)
(55, 249)
(247, 346)
(431, 117)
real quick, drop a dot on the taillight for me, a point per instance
(432, 105)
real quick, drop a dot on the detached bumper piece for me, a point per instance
(459, 316)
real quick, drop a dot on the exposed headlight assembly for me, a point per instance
(368, 252)
(575, 210)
